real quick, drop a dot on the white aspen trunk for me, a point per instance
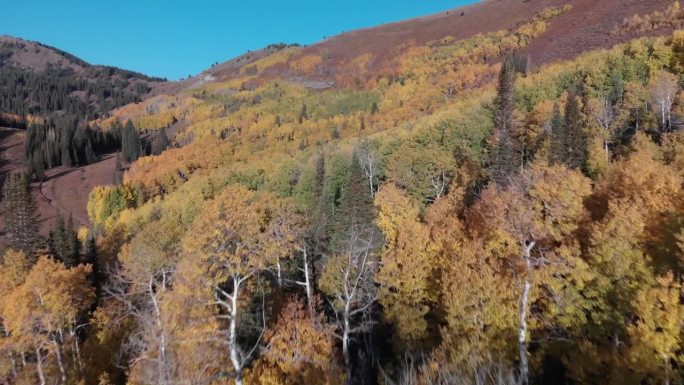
(667, 371)
(77, 350)
(668, 109)
(10, 355)
(345, 341)
(232, 343)
(13, 361)
(278, 269)
(307, 283)
(39, 366)
(370, 178)
(524, 303)
(522, 333)
(637, 121)
(60, 363)
(161, 363)
(23, 359)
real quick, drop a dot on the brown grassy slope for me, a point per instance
(65, 189)
(586, 27)
(32, 56)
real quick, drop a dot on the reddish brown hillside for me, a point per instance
(588, 25)
(65, 189)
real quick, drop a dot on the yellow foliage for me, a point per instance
(655, 336)
(301, 351)
(271, 60)
(306, 64)
(406, 266)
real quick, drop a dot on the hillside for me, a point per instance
(491, 196)
(352, 60)
(41, 81)
(587, 26)
(44, 85)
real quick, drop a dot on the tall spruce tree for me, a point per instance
(64, 243)
(574, 130)
(130, 143)
(356, 212)
(303, 114)
(505, 159)
(21, 215)
(66, 151)
(568, 142)
(89, 154)
(557, 137)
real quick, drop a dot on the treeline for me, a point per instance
(24, 92)
(21, 222)
(69, 142)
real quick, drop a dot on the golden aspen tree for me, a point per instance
(285, 233)
(40, 313)
(405, 264)
(232, 243)
(655, 337)
(300, 350)
(523, 225)
(13, 270)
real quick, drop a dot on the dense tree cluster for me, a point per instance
(89, 92)
(68, 142)
(21, 216)
(24, 92)
(529, 231)
(65, 142)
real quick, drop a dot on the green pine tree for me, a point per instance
(356, 213)
(303, 114)
(576, 156)
(21, 215)
(504, 158)
(557, 137)
(130, 143)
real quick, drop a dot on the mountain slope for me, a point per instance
(39, 80)
(587, 26)
(508, 220)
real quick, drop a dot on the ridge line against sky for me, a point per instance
(174, 39)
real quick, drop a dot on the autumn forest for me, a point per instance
(448, 213)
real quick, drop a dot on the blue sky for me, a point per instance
(176, 38)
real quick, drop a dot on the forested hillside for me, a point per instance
(463, 216)
(39, 81)
(55, 94)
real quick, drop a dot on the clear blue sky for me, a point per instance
(173, 39)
